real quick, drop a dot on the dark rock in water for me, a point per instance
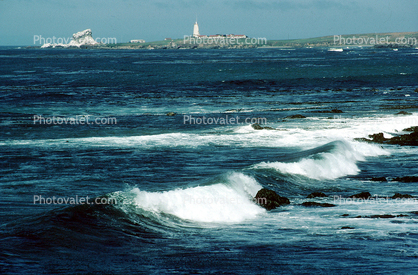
(362, 195)
(407, 179)
(333, 111)
(345, 215)
(171, 114)
(379, 179)
(296, 116)
(316, 194)
(408, 139)
(317, 204)
(257, 126)
(402, 196)
(270, 199)
(416, 90)
(403, 113)
(347, 227)
(411, 129)
(378, 138)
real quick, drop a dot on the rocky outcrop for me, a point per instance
(407, 139)
(411, 129)
(270, 199)
(79, 39)
(170, 114)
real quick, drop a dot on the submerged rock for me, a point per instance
(171, 114)
(296, 116)
(270, 199)
(316, 194)
(333, 111)
(404, 113)
(382, 179)
(407, 179)
(402, 196)
(257, 126)
(347, 227)
(317, 204)
(362, 195)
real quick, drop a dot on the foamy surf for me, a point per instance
(229, 201)
(327, 164)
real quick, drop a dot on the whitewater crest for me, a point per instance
(230, 200)
(83, 38)
(328, 162)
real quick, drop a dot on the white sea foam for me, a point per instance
(305, 134)
(338, 162)
(229, 201)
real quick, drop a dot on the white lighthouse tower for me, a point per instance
(196, 30)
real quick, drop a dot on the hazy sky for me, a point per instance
(21, 20)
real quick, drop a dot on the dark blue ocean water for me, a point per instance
(177, 192)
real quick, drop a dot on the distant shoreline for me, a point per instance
(379, 40)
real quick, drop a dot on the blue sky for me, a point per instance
(21, 20)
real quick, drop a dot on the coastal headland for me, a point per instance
(377, 40)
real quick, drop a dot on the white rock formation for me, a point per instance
(83, 38)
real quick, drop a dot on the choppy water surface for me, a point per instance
(181, 189)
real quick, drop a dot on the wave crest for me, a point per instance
(331, 161)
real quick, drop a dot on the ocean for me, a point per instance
(146, 162)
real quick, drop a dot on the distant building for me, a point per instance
(236, 36)
(168, 39)
(197, 34)
(137, 41)
(196, 30)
